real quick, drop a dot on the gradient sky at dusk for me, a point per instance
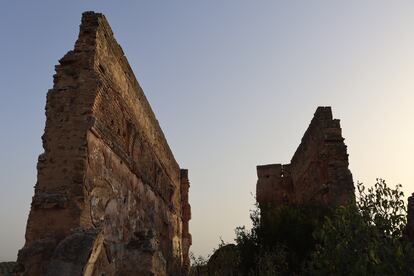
(234, 84)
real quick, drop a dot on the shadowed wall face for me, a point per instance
(410, 218)
(110, 197)
(318, 172)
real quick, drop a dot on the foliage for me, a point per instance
(363, 238)
(383, 207)
(281, 239)
(366, 239)
(198, 265)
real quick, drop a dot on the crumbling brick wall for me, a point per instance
(318, 172)
(409, 231)
(110, 198)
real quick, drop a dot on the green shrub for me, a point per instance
(365, 238)
(280, 240)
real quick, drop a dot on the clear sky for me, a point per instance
(234, 84)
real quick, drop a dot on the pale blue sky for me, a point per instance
(233, 83)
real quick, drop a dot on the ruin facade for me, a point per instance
(409, 231)
(318, 172)
(110, 198)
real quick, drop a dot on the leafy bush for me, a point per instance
(198, 265)
(365, 238)
(281, 238)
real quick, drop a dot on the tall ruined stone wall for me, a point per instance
(318, 172)
(110, 197)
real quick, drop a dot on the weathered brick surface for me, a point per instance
(110, 197)
(318, 172)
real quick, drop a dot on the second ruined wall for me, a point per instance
(320, 164)
(318, 172)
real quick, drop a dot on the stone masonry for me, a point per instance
(318, 172)
(410, 218)
(110, 199)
